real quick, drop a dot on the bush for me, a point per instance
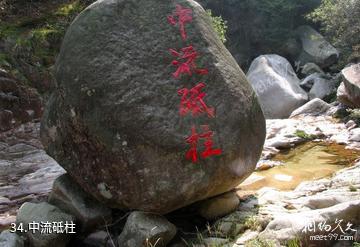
(340, 21)
(219, 25)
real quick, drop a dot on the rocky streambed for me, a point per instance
(308, 172)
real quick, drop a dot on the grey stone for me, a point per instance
(314, 107)
(311, 68)
(9, 239)
(219, 206)
(322, 88)
(100, 238)
(315, 48)
(145, 229)
(349, 91)
(116, 109)
(40, 213)
(276, 85)
(71, 198)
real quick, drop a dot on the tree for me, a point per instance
(340, 21)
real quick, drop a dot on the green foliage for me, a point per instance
(354, 114)
(252, 223)
(293, 243)
(340, 21)
(70, 9)
(259, 242)
(352, 188)
(219, 25)
(356, 244)
(302, 134)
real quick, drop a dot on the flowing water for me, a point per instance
(310, 161)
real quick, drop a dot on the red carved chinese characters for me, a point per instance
(193, 101)
(193, 140)
(181, 16)
(187, 64)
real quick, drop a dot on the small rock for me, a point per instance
(44, 212)
(314, 107)
(310, 68)
(246, 236)
(71, 198)
(146, 229)
(219, 206)
(355, 135)
(350, 125)
(8, 239)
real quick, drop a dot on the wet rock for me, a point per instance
(315, 48)
(314, 107)
(276, 85)
(219, 206)
(311, 68)
(70, 197)
(116, 109)
(145, 229)
(44, 212)
(349, 91)
(8, 239)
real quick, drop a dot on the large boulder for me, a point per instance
(113, 122)
(276, 85)
(315, 49)
(349, 91)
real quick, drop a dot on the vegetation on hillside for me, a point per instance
(340, 21)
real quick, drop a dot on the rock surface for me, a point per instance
(219, 206)
(311, 68)
(322, 88)
(24, 103)
(26, 171)
(276, 85)
(116, 109)
(349, 91)
(69, 197)
(315, 107)
(9, 239)
(315, 48)
(44, 212)
(144, 229)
